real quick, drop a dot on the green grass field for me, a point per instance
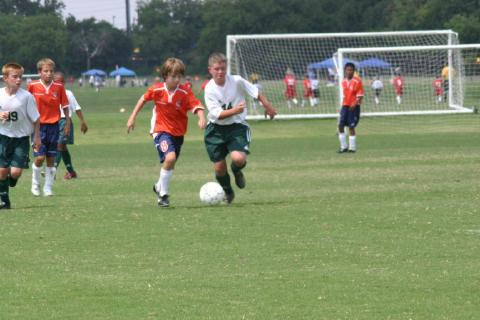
(391, 232)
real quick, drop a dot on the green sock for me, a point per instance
(225, 182)
(235, 168)
(4, 191)
(68, 161)
(58, 158)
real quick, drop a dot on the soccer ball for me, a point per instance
(212, 193)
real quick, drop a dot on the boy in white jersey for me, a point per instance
(63, 139)
(19, 118)
(227, 130)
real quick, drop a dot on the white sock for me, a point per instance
(399, 99)
(377, 101)
(352, 141)
(36, 173)
(343, 140)
(295, 101)
(164, 181)
(312, 102)
(49, 177)
(289, 104)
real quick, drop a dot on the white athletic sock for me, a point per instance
(289, 104)
(49, 177)
(399, 99)
(295, 101)
(312, 103)
(376, 100)
(36, 174)
(352, 141)
(164, 181)
(343, 140)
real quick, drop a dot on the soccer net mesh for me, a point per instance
(415, 80)
(279, 64)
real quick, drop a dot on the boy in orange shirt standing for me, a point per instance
(50, 96)
(169, 120)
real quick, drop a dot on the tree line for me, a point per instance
(191, 29)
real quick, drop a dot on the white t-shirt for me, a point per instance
(73, 104)
(218, 98)
(23, 113)
(377, 84)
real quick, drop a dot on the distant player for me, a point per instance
(290, 88)
(352, 89)
(377, 86)
(50, 96)
(188, 82)
(445, 77)
(307, 91)
(227, 131)
(438, 88)
(172, 101)
(64, 140)
(19, 118)
(316, 91)
(398, 85)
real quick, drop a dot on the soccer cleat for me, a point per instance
(163, 201)
(70, 175)
(239, 179)
(47, 192)
(351, 151)
(229, 197)
(342, 150)
(35, 190)
(4, 205)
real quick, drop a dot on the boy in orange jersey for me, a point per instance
(352, 89)
(169, 121)
(307, 91)
(50, 96)
(290, 88)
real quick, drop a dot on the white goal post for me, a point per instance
(267, 58)
(433, 78)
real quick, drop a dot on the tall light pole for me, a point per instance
(127, 6)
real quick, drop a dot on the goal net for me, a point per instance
(280, 63)
(413, 79)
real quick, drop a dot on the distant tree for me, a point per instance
(30, 8)
(169, 28)
(27, 39)
(95, 43)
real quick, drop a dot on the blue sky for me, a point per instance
(112, 11)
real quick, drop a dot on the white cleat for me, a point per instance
(35, 190)
(47, 192)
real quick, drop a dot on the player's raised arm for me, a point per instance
(131, 120)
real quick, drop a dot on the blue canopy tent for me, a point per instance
(95, 72)
(123, 72)
(328, 63)
(375, 63)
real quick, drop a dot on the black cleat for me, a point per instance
(351, 151)
(163, 201)
(239, 179)
(4, 205)
(229, 197)
(342, 150)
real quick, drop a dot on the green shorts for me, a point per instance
(62, 138)
(14, 152)
(221, 140)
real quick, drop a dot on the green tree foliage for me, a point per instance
(28, 39)
(96, 44)
(30, 8)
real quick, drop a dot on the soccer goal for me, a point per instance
(266, 59)
(415, 80)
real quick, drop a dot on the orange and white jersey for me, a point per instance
(289, 80)
(171, 108)
(352, 89)
(49, 100)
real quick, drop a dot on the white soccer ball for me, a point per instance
(212, 193)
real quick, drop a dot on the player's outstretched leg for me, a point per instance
(36, 173)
